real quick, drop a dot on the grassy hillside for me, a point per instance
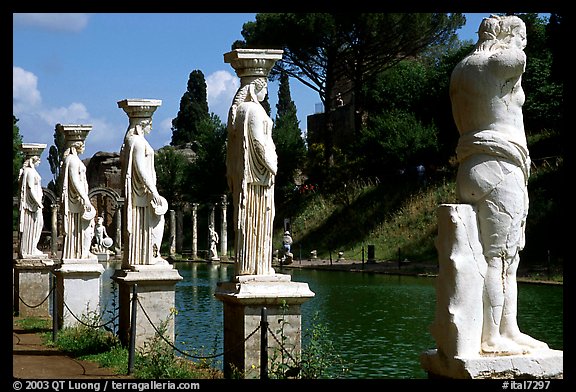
(398, 215)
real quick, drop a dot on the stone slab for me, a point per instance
(33, 263)
(81, 268)
(263, 289)
(541, 364)
(148, 274)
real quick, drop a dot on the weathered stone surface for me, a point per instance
(541, 364)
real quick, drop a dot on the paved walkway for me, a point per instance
(32, 359)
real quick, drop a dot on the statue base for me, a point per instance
(154, 286)
(78, 291)
(32, 284)
(243, 298)
(541, 364)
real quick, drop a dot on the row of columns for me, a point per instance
(176, 230)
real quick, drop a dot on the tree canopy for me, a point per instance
(321, 49)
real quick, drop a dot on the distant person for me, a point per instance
(31, 220)
(494, 166)
(287, 242)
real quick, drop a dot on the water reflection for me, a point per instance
(379, 324)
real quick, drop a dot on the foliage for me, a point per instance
(321, 48)
(87, 337)
(395, 140)
(116, 359)
(193, 111)
(17, 156)
(317, 357)
(288, 139)
(55, 153)
(88, 341)
(156, 360)
(320, 358)
(17, 162)
(171, 168)
(206, 177)
(34, 323)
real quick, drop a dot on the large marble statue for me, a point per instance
(494, 166)
(31, 219)
(251, 162)
(78, 212)
(144, 207)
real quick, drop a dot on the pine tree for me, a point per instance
(193, 111)
(287, 137)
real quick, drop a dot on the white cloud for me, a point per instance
(72, 22)
(36, 121)
(25, 92)
(220, 88)
(75, 113)
(221, 85)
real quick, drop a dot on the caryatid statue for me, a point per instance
(77, 210)
(31, 219)
(144, 207)
(251, 161)
(494, 166)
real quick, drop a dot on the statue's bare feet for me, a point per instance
(528, 342)
(501, 345)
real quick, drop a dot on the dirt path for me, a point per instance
(34, 360)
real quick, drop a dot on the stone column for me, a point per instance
(245, 295)
(223, 230)
(194, 231)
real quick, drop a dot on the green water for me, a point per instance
(377, 323)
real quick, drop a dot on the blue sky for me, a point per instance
(73, 68)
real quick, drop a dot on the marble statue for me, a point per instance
(213, 243)
(494, 167)
(102, 240)
(31, 219)
(144, 207)
(78, 211)
(252, 162)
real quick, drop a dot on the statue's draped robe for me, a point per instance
(249, 159)
(77, 235)
(31, 219)
(144, 229)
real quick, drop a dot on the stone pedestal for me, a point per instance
(78, 290)
(243, 300)
(155, 290)
(32, 287)
(542, 364)
(457, 326)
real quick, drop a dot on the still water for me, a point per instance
(377, 323)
